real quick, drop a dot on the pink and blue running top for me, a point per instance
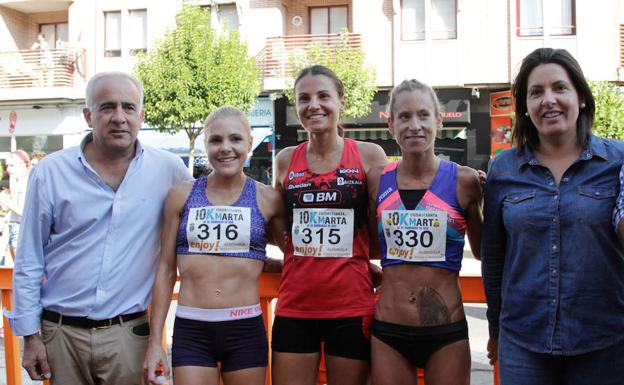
(441, 196)
(197, 199)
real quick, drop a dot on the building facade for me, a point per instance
(468, 50)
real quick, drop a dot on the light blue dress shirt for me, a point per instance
(97, 248)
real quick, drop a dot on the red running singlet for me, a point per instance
(322, 286)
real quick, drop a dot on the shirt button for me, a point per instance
(554, 248)
(554, 300)
(554, 271)
(597, 193)
(550, 183)
(555, 219)
(556, 197)
(565, 179)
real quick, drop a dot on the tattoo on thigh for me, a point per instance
(432, 308)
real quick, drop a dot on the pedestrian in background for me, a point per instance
(46, 63)
(420, 320)
(326, 292)
(91, 228)
(553, 269)
(218, 317)
(18, 164)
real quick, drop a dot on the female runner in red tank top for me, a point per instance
(424, 206)
(326, 292)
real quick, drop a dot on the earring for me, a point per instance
(582, 105)
(526, 113)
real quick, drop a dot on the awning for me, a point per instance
(357, 134)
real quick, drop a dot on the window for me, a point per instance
(228, 16)
(436, 19)
(326, 20)
(532, 14)
(56, 34)
(137, 31)
(112, 33)
(223, 16)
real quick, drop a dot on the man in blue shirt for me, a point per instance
(88, 252)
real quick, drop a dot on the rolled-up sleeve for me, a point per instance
(29, 265)
(493, 246)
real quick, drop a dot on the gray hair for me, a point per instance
(110, 74)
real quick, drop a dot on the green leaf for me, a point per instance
(192, 70)
(609, 121)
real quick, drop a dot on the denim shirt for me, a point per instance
(553, 268)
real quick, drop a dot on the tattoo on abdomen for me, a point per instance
(431, 308)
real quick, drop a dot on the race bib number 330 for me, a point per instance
(219, 229)
(414, 235)
(323, 232)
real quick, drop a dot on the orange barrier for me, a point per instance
(11, 342)
(472, 292)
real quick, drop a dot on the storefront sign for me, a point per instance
(262, 114)
(455, 106)
(500, 103)
(500, 121)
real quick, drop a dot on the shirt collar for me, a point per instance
(89, 137)
(594, 147)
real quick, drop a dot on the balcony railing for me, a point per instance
(275, 57)
(35, 68)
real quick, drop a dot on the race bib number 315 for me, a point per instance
(323, 232)
(413, 235)
(219, 229)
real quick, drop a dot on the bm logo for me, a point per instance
(316, 197)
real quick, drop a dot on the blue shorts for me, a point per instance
(237, 344)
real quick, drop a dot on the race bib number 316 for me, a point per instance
(219, 229)
(413, 235)
(323, 232)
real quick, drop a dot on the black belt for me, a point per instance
(84, 322)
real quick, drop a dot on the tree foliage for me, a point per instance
(191, 71)
(348, 63)
(609, 121)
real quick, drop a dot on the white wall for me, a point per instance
(595, 45)
(477, 56)
(487, 50)
(258, 23)
(375, 24)
(49, 120)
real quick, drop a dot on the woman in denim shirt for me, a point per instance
(553, 269)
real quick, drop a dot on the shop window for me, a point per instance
(112, 34)
(326, 20)
(531, 14)
(435, 19)
(137, 31)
